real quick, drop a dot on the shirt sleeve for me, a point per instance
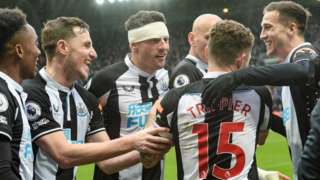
(183, 75)
(7, 114)
(6, 170)
(167, 107)
(39, 113)
(266, 105)
(309, 167)
(96, 121)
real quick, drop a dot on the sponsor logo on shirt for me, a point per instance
(67, 134)
(3, 103)
(138, 114)
(35, 125)
(27, 147)
(286, 114)
(55, 108)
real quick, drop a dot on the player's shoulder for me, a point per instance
(195, 87)
(304, 52)
(35, 85)
(109, 73)
(85, 94)
(184, 73)
(171, 100)
(104, 79)
(185, 66)
(5, 94)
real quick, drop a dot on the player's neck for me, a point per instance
(212, 67)
(11, 70)
(138, 62)
(295, 42)
(58, 72)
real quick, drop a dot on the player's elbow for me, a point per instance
(63, 157)
(106, 168)
(65, 162)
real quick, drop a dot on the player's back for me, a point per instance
(216, 142)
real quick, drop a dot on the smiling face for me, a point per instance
(274, 34)
(81, 54)
(151, 54)
(30, 52)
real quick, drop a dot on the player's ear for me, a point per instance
(62, 47)
(19, 50)
(133, 47)
(293, 28)
(191, 38)
(241, 60)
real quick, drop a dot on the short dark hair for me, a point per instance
(11, 21)
(57, 29)
(142, 18)
(227, 39)
(290, 11)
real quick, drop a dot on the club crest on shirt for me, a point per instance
(33, 111)
(181, 80)
(163, 84)
(81, 110)
(3, 103)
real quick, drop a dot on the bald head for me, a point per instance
(204, 22)
(198, 38)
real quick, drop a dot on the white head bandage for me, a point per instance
(148, 31)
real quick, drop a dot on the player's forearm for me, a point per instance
(77, 154)
(6, 172)
(113, 165)
(276, 75)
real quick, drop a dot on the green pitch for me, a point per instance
(272, 156)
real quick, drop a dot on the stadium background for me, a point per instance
(106, 22)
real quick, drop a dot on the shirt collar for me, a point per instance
(200, 64)
(12, 82)
(53, 83)
(213, 74)
(291, 52)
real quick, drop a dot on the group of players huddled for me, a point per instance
(212, 107)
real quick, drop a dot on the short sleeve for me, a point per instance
(39, 114)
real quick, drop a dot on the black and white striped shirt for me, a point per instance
(14, 126)
(129, 94)
(52, 107)
(216, 142)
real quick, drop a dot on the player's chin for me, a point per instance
(84, 75)
(161, 62)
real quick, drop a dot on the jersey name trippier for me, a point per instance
(216, 142)
(52, 107)
(298, 102)
(189, 70)
(128, 94)
(14, 126)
